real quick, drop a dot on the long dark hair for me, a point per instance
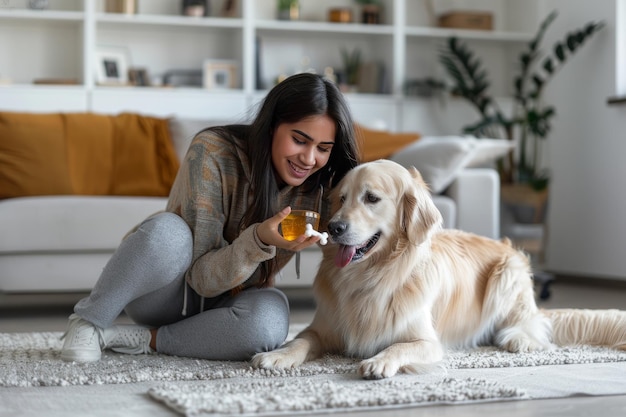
(294, 99)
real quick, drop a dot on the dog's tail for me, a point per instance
(588, 327)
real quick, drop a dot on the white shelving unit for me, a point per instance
(62, 42)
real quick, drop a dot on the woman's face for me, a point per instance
(300, 149)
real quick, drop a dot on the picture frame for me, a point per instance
(219, 74)
(111, 67)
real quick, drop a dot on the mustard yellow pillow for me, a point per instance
(86, 154)
(33, 158)
(89, 147)
(380, 144)
(145, 161)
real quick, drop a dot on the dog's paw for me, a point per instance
(277, 359)
(378, 368)
(524, 345)
(516, 340)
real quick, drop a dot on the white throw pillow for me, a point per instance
(440, 158)
(486, 151)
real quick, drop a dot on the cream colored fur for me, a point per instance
(421, 289)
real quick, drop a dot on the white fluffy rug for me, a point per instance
(193, 387)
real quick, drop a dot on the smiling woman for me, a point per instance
(211, 258)
(302, 148)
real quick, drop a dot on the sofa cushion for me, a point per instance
(71, 223)
(145, 161)
(90, 149)
(33, 159)
(380, 144)
(85, 154)
(440, 158)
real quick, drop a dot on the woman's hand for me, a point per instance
(269, 234)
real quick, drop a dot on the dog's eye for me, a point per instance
(342, 199)
(371, 198)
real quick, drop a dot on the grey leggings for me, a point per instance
(145, 278)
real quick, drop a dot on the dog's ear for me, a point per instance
(416, 175)
(420, 216)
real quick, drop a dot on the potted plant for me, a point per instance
(351, 66)
(530, 122)
(288, 9)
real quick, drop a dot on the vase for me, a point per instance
(371, 14)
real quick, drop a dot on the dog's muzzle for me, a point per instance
(347, 252)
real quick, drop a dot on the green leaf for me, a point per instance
(572, 42)
(548, 112)
(548, 66)
(468, 75)
(559, 51)
(525, 59)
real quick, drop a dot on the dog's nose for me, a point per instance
(337, 228)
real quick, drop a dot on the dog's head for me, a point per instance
(379, 209)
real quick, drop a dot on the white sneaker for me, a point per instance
(83, 341)
(128, 338)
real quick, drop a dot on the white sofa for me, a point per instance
(61, 243)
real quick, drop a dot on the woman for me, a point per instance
(198, 278)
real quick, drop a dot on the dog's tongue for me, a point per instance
(344, 255)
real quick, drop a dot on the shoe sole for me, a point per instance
(73, 357)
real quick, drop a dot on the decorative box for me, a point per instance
(340, 15)
(467, 20)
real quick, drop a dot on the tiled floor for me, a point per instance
(49, 313)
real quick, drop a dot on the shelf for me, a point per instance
(43, 98)
(411, 31)
(41, 87)
(122, 89)
(51, 15)
(216, 22)
(483, 35)
(129, 89)
(65, 44)
(323, 27)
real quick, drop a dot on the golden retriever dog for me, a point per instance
(396, 289)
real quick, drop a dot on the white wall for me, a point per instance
(587, 147)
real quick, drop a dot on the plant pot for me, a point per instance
(527, 205)
(291, 13)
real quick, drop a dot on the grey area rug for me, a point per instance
(196, 387)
